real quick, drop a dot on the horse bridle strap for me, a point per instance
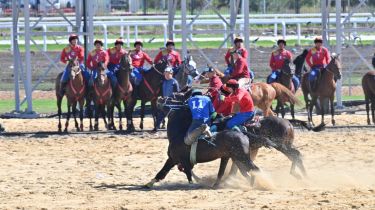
(154, 93)
(125, 93)
(77, 94)
(101, 95)
(157, 71)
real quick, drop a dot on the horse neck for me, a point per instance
(328, 75)
(285, 79)
(78, 80)
(123, 78)
(153, 77)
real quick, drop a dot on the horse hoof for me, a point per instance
(59, 130)
(120, 127)
(141, 127)
(65, 130)
(333, 122)
(154, 130)
(215, 186)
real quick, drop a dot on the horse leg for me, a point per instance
(311, 107)
(104, 114)
(143, 104)
(188, 170)
(332, 110)
(168, 165)
(81, 115)
(129, 107)
(59, 100)
(373, 110)
(245, 168)
(295, 156)
(154, 114)
(223, 165)
(90, 113)
(367, 109)
(67, 118)
(118, 106)
(322, 109)
(75, 116)
(96, 125)
(110, 113)
(292, 111)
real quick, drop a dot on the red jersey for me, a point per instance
(242, 97)
(221, 107)
(139, 58)
(115, 55)
(278, 57)
(240, 69)
(173, 57)
(317, 57)
(243, 51)
(95, 57)
(72, 52)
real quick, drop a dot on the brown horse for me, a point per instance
(325, 89)
(75, 94)
(263, 94)
(101, 96)
(123, 91)
(368, 85)
(285, 79)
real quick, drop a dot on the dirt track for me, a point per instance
(105, 171)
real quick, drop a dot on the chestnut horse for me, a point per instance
(368, 85)
(326, 88)
(102, 96)
(124, 90)
(75, 94)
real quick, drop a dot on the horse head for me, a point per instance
(102, 76)
(125, 63)
(161, 66)
(334, 66)
(190, 66)
(286, 69)
(373, 60)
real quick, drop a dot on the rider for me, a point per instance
(222, 108)
(138, 57)
(241, 97)
(317, 58)
(241, 71)
(169, 86)
(115, 54)
(277, 61)
(72, 51)
(202, 111)
(237, 47)
(213, 80)
(170, 55)
(99, 55)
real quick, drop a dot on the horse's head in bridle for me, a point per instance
(73, 64)
(286, 69)
(102, 76)
(190, 66)
(125, 63)
(334, 66)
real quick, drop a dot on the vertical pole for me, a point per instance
(84, 5)
(15, 14)
(28, 57)
(324, 22)
(128, 35)
(44, 38)
(171, 12)
(78, 11)
(338, 49)
(299, 34)
(264, 6)
(233, 14)
(183, 28)
(246, 28)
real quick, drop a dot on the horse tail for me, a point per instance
(304, 124)
(57, 84)
(284, 94)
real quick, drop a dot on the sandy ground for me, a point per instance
(105, 171)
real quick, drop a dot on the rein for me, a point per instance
(125, 93)
(157, 71)
(154, 93)
(77, 94)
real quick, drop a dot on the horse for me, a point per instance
(149, 90)
(326, 88)
(122, 92)
(368, 85)
(101, 96)
(299, 63)
(228, 145)
(285, 78)
(187, 68)
(75, 94)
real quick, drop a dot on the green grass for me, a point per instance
(49, 105)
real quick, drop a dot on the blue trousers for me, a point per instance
(111, 75)
(296, 82)
(113, 67)
(136, 75)
(66, 74)
(228, 71)
(313, 75)
(239, 119)
(273, 77)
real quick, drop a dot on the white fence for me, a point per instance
(135, 22)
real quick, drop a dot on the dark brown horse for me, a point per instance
(228, 145)
(75, 94)
(368, 85)
(285, 78)
(149, 90)
(326, 88)
(102, 95)
(123, 91)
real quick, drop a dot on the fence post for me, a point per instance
(105, 36)
(128, 36)
(44, 38)
(165, 28)
(299, 34)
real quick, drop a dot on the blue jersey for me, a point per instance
(201, 107)
(170, 87)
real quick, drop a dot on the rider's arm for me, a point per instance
(88, 62)
(178, 58)
(238, 69)
(81, 55)
(326, 55)
(63, 56)
(176, 87)
(106, 58)
(245, 54)
(227, 57)
(147, 58)
(272, 62)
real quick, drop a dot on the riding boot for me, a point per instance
(192, 136)
(63, 88)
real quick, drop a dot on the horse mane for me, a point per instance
(179, 121)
